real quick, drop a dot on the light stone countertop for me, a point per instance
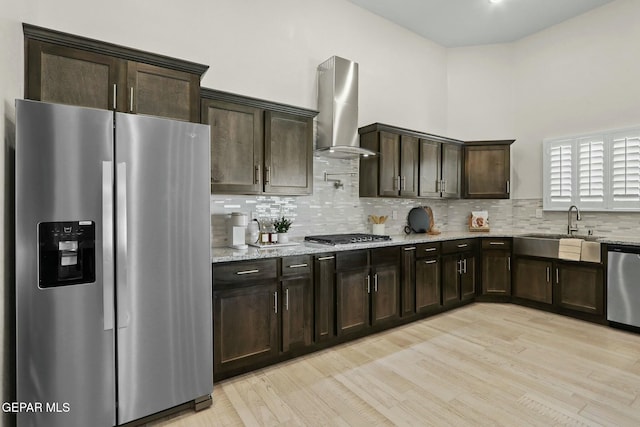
(225, 254)
(229, 254)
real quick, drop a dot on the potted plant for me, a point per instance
(282, 226)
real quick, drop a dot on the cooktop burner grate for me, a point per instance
(342, 239)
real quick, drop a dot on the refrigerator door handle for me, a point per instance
(121, 221)
(107, 245)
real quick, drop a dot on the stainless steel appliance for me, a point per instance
(338, 109)
(113, 286)
(623, 285)
(343, 239)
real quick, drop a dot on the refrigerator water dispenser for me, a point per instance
(66, 253)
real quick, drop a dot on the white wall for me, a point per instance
(579, 76)
(576, 77)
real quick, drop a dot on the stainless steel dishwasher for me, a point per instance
(623, 287)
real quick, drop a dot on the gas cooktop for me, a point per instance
(342, 239)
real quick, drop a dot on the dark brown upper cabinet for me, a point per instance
(68, 69)
(258, 147)
(410, 163)
(397, 165)
(487, 173)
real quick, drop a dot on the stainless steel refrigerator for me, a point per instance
(113, 289)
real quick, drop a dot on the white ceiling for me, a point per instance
(454, 23)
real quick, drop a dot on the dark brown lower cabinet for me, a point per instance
(428, 285)
(458, 278)
(245, 322)
(450, 279)
(532, 280)
(352, 300)
(324, 267)
(297, 313)
(385, 293)
(496, 272)
(467, 277)
(580, 287)
(408, 284)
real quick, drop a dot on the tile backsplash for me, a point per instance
(333, 210)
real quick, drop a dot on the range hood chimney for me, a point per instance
(338, 110)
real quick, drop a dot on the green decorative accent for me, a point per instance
(282, 224)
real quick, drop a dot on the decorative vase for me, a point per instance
(283, 237)
(377, 229)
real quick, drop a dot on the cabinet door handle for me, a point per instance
(509, 263)
(459, 266)
(430, 249)
(497, 243)
(240, 273)
(438, 186)
(267, 178)
(275, 302)
(548, 274)
(508, 186)
(431, 261)
(368, 283)
(375, 282)
(397, 183)
(297, 265)
(403, 180)
(115, 94)
(324, 258)
(286, 299)
(256, 177)
(464, 261)
(444, 185)
(463, 245)
(131, 100)
(557, 275)
(412, 248)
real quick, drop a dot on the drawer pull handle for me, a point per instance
(298, 265)
(497, 243)
(324, 258)
(240, 273)
(463, 245)
(413, 248)
(431, 249)
(431, 261)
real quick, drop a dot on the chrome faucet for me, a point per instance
(570, 227)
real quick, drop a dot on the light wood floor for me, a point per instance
(484, 364)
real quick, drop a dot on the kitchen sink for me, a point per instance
(542, 244)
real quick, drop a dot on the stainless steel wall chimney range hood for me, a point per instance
(338, 109)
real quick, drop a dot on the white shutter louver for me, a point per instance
(591, 171)
(560, 172)
(625, 167)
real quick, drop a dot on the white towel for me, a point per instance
(590, 251)
(570, 249)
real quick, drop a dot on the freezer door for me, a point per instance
(163, 264)
(64, 266)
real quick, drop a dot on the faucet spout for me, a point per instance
(570, 227)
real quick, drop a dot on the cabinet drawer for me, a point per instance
(458, 246)
(296, 265)
(352, 260)
(385, 256)
(242, 272)
(428, 250)
(501, 243)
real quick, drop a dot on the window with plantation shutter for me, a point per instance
(591, 171)
(625, 170)
(594, 172)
